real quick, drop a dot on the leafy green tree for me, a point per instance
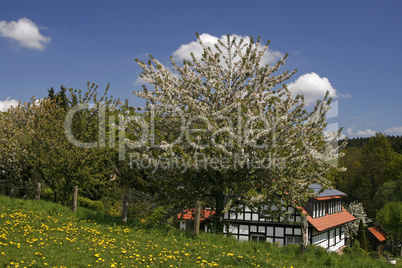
(60, 97)
(351, 181)
(390, 220)
(228, 105)
(390, 191)
(373, 172)
(14, 136)
(396, 142)
(42, 146)
(380, 164)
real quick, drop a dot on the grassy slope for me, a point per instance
(43, 234)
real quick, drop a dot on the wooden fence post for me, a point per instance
(37, 197)
(197, 218)
(75, 199)
(3, 189)
(125, 208)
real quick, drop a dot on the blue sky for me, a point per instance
(352, 48)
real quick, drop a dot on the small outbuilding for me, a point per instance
(377, 239)
(186, 219)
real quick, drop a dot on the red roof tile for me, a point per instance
(188, 214)
(332, 220)
(328, 197)
(323, 198)
(377, 233)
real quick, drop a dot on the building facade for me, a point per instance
(325, 215)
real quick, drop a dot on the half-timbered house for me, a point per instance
(325, 215)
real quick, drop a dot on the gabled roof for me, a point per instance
(380, 235)
(188, 214)
(326, 193)
(329, 221)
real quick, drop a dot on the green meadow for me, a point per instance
(44, 234)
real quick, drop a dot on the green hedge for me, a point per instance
(91, 204)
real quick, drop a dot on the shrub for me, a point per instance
(157, 216)
(355, 249)
(112, 206)
(91, 204)
(374, 255)
(47, 194)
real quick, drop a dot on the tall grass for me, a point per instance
(43, 234)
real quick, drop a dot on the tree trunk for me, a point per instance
(54, 195)
(37, 197)
(197, 218)
(23, 191)
(220, 205)
(75, 199)
(304, 229)
(12, 190)
(125, 208)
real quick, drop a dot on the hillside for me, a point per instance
(395, 141)
(44, 234)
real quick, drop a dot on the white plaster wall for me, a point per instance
(183, 224)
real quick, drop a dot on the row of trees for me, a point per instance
(374, 181)
(34, 147)
(222, 124)
(374, 174)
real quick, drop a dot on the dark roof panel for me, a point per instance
(329, 192)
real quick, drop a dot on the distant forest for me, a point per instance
(395, 141)
(374, 172)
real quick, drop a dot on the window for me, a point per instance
(330, 210)
(314, 210)
(322, 212)
(322, 209)
(258, 238)
(293, 240)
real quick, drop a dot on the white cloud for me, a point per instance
(5, 105)
(25, 32)
(349, 130)
(183, 52)
(346, 96)
(394, 130)
(367, 132)
(313, 87)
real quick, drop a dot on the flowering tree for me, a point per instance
(34, 146)
(232, 127)
(357, 210)
(13, 139)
